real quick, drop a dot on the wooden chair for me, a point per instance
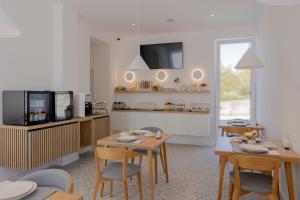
(156, 152)
(243, 182)
(116, 170)
(236, 130)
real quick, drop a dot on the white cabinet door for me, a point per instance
(175, 123)
(157, 120)
(119, 121)
(198, 125)
(137, 120)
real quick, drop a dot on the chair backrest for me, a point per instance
(264, 164)
(239, 130)
(152, 129)
(102, 153)
(51, 178)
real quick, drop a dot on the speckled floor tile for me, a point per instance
(193, 173)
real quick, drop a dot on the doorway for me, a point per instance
(235, 96)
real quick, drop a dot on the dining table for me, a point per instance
(147, 143)
(225, 148)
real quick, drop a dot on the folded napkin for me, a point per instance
(138, 141)
(273, 152)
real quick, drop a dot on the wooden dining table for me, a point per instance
(148, 143)
(64, 196)
(224, 148)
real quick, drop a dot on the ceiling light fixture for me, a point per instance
(8, 29)
(170, 20)
(249, 61)
(138, 63)
(133, 24)
(212, 15)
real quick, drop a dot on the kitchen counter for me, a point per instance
(52, 124)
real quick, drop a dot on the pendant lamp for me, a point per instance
(8, 29)
(249, 61)
(138, 62)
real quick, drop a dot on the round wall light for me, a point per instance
(161, 75)
(198, 74)
(129, 76)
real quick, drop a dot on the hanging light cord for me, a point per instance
(138, 23)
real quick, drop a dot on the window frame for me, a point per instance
(218, 78)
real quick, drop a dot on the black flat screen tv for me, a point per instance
(163, 56)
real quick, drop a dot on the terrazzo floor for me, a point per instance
(193, 173)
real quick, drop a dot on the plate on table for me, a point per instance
(127, 139)
(254, 148)
(16, 190)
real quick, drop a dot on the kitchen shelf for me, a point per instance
(162, 111)
(164, 92)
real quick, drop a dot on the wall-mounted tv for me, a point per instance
(163, 56)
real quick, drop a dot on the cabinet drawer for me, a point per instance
(157, 120)
(176, 124)
(198, 125)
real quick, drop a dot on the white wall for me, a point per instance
(52, 53)
(26, 61)
(102, 70)
(198, 50)
(278, 94)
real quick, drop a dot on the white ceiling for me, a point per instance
(116, 16)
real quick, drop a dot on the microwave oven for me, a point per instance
(25, 107)
(61, 105)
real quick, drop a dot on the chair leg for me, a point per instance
(156, 169)
(231, 187)
(236, 194)
(101, 188)
(141, 159)
(125, 189)
(140, 185)
(162, 159)
(111, 188)
(132, 162)
(96, 189)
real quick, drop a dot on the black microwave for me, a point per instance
(26, 107)
(61, 105)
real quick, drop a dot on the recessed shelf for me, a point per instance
(164, 92)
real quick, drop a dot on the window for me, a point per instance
(234, 85)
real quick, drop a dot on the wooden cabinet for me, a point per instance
(46, 145)
(102, 128)
(28, 147)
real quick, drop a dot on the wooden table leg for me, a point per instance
(166, 161)
(221, 176)
(150, 171)
(289, 179)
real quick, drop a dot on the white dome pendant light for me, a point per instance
(249, 61)
(8, 29)
(138, 63)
